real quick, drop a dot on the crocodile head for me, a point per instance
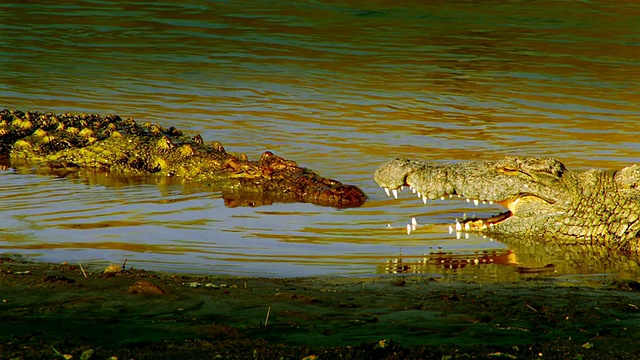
(275, 179)
(540, 196)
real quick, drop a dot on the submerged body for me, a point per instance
(67, 143)
(543, 198)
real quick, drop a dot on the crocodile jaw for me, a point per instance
(519, 206)
(470, 181)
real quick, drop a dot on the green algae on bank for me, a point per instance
(140, 314)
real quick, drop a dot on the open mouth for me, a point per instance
(473, 224)
(479, 224)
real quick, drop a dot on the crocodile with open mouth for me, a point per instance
(69, 143)
(544, 199)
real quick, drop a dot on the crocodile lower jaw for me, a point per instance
(473, 224)
(478, 224)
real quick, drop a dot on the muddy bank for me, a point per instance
(53, 310)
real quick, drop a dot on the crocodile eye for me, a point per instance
(250, 171)
(508, 170)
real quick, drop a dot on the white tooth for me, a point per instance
(395, 193)
(484, 202)
(491, 202)
(450, 230)
(419, 195)
(468, 200)
(389, 226)
(414, 223)
(408, 229)
(424, 199)
(386, 190)
(458, 226)
(442, 198)
(476, 202)
(450, 196)
(413, 190)
(466, 235)
(467, 227)
(458, 235)
(402, 188)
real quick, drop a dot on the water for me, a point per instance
(339, 87)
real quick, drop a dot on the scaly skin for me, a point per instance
(69, 143)
(544, 200)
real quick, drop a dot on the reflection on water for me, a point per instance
(524, 258)
(338, 86)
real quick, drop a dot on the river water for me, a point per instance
(338, 86)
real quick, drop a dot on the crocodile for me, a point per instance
(71, 143)
(545, 201)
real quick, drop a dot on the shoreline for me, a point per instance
(146, 314)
